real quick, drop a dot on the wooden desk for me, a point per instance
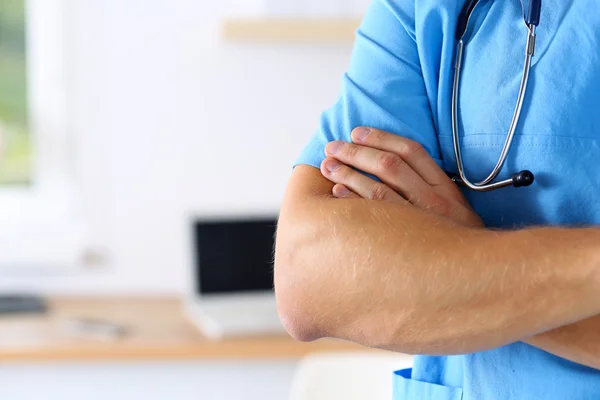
(157, 331)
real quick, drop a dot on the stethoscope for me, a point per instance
(523, 178)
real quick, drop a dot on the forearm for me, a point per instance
(394, 277)
(578, 342)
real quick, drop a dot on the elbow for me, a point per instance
(293, 295)
(296, 324)
(294, 313)
(311, 306)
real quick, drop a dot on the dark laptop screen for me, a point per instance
(234, 256)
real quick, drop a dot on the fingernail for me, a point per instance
(332, 165)
(334, 147)
(360, 134)
(343, 191)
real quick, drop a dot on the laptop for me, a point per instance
(233, 277)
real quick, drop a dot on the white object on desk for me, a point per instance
(94, 329)
(241, 315)
(233, 276)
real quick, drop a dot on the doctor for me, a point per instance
(497, 292)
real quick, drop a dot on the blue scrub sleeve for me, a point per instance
(383, 87)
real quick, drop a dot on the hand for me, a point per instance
(407, 174)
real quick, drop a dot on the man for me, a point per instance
(398, 258)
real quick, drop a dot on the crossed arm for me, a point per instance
(405, 265)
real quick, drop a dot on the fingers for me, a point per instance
(358, 183)
(409, 151)
(342, 192)
(387, 166)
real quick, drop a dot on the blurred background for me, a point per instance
(143, 145)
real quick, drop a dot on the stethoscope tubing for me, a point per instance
(486, 185)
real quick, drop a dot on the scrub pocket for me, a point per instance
(406, 388)
(565, 191)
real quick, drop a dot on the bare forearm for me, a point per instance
(578, 342)
(394, 277)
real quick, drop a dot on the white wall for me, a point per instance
(169, 122)
(270, 380)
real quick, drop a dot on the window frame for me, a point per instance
(41, 225)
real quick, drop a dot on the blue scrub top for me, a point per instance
(400, 80)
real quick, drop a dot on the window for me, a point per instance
(39, 223)
(15, 146)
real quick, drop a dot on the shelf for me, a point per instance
(291, 30)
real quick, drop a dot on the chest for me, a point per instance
(558, 135)
(563, 96)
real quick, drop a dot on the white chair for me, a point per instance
(347, 376)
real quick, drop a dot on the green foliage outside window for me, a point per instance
(15, 145)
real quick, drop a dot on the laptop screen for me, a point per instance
(234, 256)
